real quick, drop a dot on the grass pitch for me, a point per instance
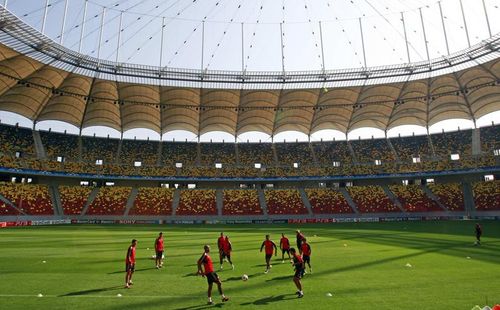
(362, 265)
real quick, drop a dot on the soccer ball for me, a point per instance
(244, 277)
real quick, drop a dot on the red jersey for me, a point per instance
(226, 246)
(130, 259)
(220, 242)
(159, 244)
(306, 249)
(268, 245)
(206, 260)
(298, 262)
(285, 243)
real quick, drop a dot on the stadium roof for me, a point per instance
(42, 80)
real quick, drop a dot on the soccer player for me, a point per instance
(285, 247)
(298, 263)
(306, 254)
(159, 251)
(269, 246)
(130, 263)
(220, 244)
(227, 247)
(208, 272)
(479, 232)
(300, 238)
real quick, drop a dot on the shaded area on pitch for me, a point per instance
(96, 290)
(270, 299)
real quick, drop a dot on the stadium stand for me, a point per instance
(251, 153)
(241, 202)
(197, 202)
(32, 199)
(367, 151)
(328, 152)
(212, 153)
(371, 199)
(74, 198)
(449, 143)
(327, 201)
(284, 201)
(487, 195)
(296, 152)
(99, 148)
(153, 201)
(16, 139)
(138, 150)
(414, 199)
(449, 195)
(109, 201)
(179, 152)
(57, 144)
(490, 138)
(409, 147)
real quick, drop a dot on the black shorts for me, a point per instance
(299, 273)
(159, 254)
(307, 259)
(212, 277)
(129, 267)
(268, 256)
(299, 245)
(285, 251)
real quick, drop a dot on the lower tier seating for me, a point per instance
(414, 199)
(197, 202)
(371, 199)
(487, 195)
(241, 202)
(327, 201)
(74, 198)
(153, 201)
(284, 201)
(109, 201)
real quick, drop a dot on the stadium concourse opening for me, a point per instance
(97, 99)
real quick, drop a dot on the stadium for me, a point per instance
(370, 126)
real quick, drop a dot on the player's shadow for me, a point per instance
(250, 276)
(199, 307)
(268, 300)
(96, 290)
(137, 270)
(280, 278)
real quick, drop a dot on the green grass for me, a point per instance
(361, 264)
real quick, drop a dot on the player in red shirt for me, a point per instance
(300, 237)
(208, 272)
(285, 247)
(130, 263)
(227, 247)
(220, 244)
(306, 254)
(269, 246)
(298, 263)
(159, 251)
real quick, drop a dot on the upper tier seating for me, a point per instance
(327, 201)
(57, 144)
(449, 143)
(487, 195)
(16, 139)
(153, 201)
(284, 201)
(99, 148)
(74, 198)
(371, 199)
(212, 153)
(241, 202)
(138, 150)
(251, 153)
(328, 152)
(367, 151)
(197, 202)
(414, 199)
(109, 201)
(490, 138)
(449, 195)
(289, 153)
(409, 147)
(32, 199)
(179, 152)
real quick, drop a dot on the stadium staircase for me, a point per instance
(431, 145)
(236, 154)
(131, 200)
(55, 198)
(393, 198)
(219, 201)
(91, 198)
(198, 154)
(476, 141)
(159, 153)
(353, 154)
(468, 198)
(275, 154)
(313, 154)
(80, 148)
(40, 150)
(262, 201)
(175, 201)
(9, 203)
(118, 152)
(396, 156)
(305, 201)
(349, 200)
(431, 195)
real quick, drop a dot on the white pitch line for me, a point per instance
(114, 296)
